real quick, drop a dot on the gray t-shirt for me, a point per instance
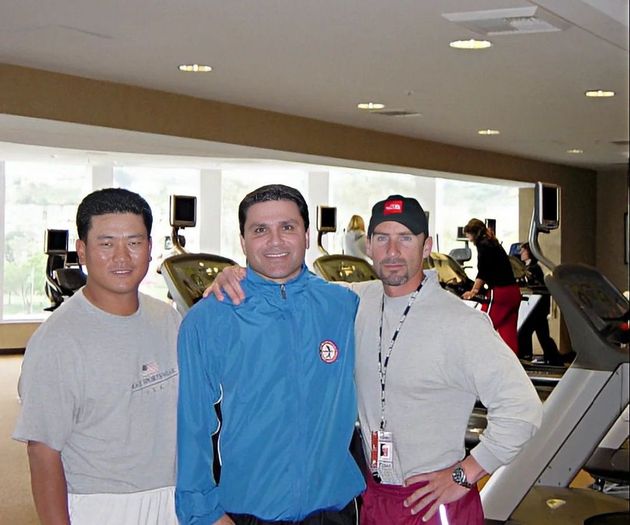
(102, 389)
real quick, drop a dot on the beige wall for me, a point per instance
(41, 94)
(13, 336)
(612, 203)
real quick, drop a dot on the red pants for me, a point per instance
(383, 505)
(502, 308)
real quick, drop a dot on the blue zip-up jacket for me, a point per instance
(282, 365)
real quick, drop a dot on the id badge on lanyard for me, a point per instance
(382, 457)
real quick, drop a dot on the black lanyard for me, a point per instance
(382, 365)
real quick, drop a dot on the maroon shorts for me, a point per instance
(383, 504)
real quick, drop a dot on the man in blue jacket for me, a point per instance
(281, 366)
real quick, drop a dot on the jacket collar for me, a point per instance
(297, 282)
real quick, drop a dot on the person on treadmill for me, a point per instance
(423, 359)
(495, 271)
(281, 365)
(99, 382)
(537, 319)
(354, 238)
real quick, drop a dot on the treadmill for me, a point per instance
(587, 402)
(187, 275)
(338, 267)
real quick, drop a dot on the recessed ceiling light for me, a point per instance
(488, 132)
(370, 105)
(194, 68)
(597, 93)
(471, 44)
(575, 151)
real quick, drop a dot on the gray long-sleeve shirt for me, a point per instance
(446, 356)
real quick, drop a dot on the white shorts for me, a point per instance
(151, 507)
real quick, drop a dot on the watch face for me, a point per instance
(459, 476)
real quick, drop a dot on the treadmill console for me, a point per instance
(189, 274)
(344, 268)
(598, 300)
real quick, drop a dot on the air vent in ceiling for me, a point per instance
(512, 21)
(396, 113)
(620, 142)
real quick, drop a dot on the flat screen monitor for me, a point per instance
(515, 249)
(461, 236)
(72, 259)
(56, 242)
(547, 205)
(491, 224)
(326, 219)
(183, 212)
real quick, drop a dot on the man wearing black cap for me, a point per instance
(423, 359)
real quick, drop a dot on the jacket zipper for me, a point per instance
(283, 291)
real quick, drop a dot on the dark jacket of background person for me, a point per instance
(537, 321)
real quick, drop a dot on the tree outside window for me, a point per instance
(38, 197)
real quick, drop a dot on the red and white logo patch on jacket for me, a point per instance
(328, 351)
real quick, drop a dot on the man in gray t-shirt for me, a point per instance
(99, 382)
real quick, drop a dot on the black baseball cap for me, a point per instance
(405, 210)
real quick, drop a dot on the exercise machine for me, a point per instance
(581, 409)
(338, 267)
(64, 274)
(461, 255)
(187, 275)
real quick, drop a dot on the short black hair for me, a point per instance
(111, 200)
(272, 192)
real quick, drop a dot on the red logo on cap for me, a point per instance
(393, 207)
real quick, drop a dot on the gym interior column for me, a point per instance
(425, 193)
(2, 237)
(102, 176)
(209, 211)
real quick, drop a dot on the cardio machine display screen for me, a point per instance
(550, 204)
(56, 242)
(326, 218)
(183, 211)
(188, 275)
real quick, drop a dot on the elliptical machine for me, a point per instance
(187, 275)
(64, 273)
(338, 267)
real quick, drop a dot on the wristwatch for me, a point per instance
(459, 477)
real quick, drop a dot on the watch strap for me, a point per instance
(459, 477)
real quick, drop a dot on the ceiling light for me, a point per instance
(194, 68)
(575, 151)
(597, 93)
(488, 132)
(370, 105)
(470, 44)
